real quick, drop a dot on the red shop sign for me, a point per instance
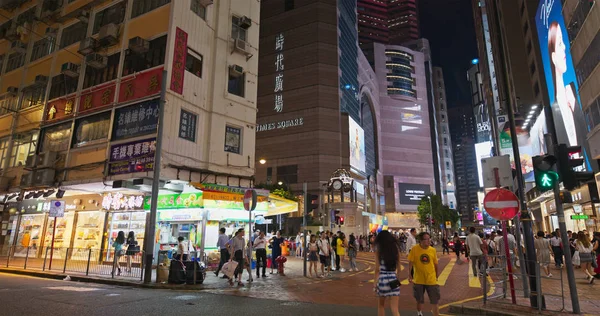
(97, 99)
(141, 85)
(59, 109)
(179, 59)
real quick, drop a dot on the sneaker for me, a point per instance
(224, 277)
(592, 280)
(419, 313)
(549, 275)
(355, 269)
(250, 280)
(342, 270)
(216, 274)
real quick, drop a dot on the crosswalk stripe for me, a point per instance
(473, 280)
(446, 272)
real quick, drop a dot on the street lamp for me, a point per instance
(280, 183)
(262, 161)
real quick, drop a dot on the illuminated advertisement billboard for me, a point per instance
(482, 150)
(358, 160)
(563, 89)
(483, 124)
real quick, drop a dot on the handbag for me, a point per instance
(394, 284)
(576, 258)
(229, 268)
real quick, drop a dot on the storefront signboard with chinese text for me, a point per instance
(179, 60)
(60, 109)
(136, 156)
(177, 201)
(117, 201)
(98, 98)
(136, 120)
(141, 85)
(226, 189)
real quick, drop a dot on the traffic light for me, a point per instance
(312, 203)
(545, 176)
(570, 157)
(565, 197)
(341, 220)
(336, 217)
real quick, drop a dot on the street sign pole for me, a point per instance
(306, 203)
(52, 246)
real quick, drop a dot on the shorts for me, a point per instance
(325, 260)
(433, 291)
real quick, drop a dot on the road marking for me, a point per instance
(73, 288)
(446, 272)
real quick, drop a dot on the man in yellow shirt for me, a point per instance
(423, 259)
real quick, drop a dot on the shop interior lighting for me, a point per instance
(29, 195)
(38, 194)
(48, 193)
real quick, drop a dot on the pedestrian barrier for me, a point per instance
(550, 301)
(76, 261)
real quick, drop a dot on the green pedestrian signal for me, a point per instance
(545, 176)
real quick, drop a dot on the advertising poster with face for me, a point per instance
(563, 89)
(358, 159)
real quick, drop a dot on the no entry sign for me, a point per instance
(250, 200)
(501, 204)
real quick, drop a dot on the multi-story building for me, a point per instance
(387, 21)
(444, 140)
(403, 21)
(462, 131)
(82, 87)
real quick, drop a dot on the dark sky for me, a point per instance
(449, 27)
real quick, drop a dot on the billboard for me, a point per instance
(358, 159)
(412, 193)
(563, 89)
(483, 124)
(482, 150)
(529, 144)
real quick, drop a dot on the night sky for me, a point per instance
(449, 27)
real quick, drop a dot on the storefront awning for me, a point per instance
(279, 205)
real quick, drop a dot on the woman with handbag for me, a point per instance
(119, 251)
(238, 246)
(585, 248)
(132, 249)
(387, 270)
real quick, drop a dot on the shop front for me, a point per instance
(581, 214)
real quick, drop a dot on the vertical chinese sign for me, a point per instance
(279, 39)
(179, 59)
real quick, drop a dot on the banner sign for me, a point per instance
(141, 85)
(136, 120)
(179, 60)
(97, 98)
(137, 156)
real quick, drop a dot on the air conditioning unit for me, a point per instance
(241, 46)
(245, 22)
(84, 16)
(70, 70)
(27, 179)
(108, 35)
(12, 90)
(41, 80)
(31, 162)
(236, 70)
(97, 61)
(44, 177)
(18, 47)
(87, 46)
(47, 159)
(139, 45)
(206, 3)
(51, 32)
(12, 34)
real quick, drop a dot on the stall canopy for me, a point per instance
(279, 205)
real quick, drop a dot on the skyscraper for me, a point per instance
(387, 21)
(403, 21)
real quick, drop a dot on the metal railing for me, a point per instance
(76, 261)
(549, 301)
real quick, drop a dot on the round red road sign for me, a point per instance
(250, 200)
(501, 204)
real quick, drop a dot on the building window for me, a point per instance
(15, 60)
(155, 56)
(589, 60)
(8, 104)
(445, 141)
(97, 76)
(23, 146)
(233, 140)
(447, 165)
(289, 5)
(26, 17)
(91, 128)
(73, 34)
(143, 6)
(33, 96)
(62, 85)
(236, 84)
(42, 48)
(287, 174)
(56, 138)
(198, 8)
(193, 63)
(237, 32)
(3, 150)
(114, 14)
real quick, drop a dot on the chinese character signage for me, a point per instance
(97, 99)
(60, 109)
(173, 201)
(137, 156)
(141, 85)
(179, 59)
(136, 120)
(233, 139)
(187, 125)
(118, 201)
(279, 40)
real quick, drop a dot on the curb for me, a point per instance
(468, 310)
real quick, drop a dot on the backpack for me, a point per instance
(334, 242)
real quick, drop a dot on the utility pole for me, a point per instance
(151, 228)
(306, 205)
